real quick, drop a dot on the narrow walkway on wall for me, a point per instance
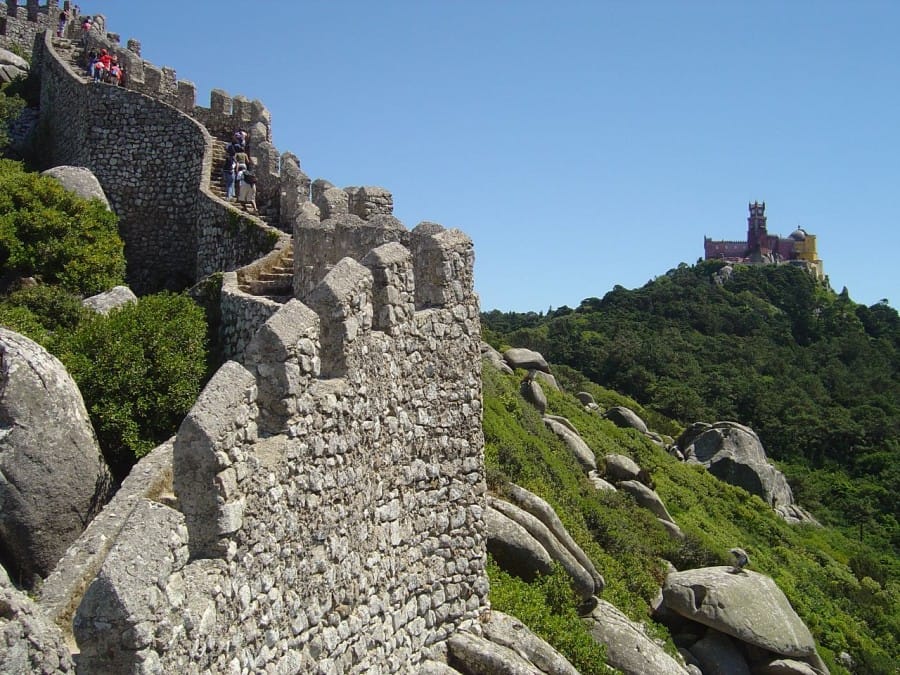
(275, 280)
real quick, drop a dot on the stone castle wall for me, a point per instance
(154, 163)
(20, 26)
(330, 489)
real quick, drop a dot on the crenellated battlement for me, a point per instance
(345, 451)
(20, 25)
(329, 482)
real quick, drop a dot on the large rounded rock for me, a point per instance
(574, 442)
(11, 66)
(647, 498)
(104, 303)
(547, 379)
(492, 356)
(478, 656)
(79, 180)
(718, 655)
(785, 667)
(514, 549)
(599, 483)
(531, 391)
(508, 631)
(8, 58)
(541, 510)
(518, 357)
(733, 453)
(53, 478)
(620, 467)
(628, 647)
(628, 419)
(747, 606)
(582, 581)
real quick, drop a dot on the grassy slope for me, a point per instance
(628, 546)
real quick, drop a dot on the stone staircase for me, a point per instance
(273, 280)
(268, 212)
(70, 52)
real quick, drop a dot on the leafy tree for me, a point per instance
(50, 233)
(816, 375)
(139, 369)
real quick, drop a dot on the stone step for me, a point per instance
(264, 287)
(276, 276)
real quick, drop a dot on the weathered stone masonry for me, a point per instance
(329, 486)
(153, 162)
(333, 519)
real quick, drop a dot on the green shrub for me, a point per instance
(139, 369)
(23, 321)
(10, 108)
(53, 306)
(50, 233)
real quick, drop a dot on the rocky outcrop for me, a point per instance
(625, 418)
(514, 549)
(747, 606)
(531, 391)
(785, 667)
(53, 479)
(508, 631)
(79, 180)
(475, 655)
(518, 357)
(733, 453)
(599, 483)
(794, 514)
(646, 498)
(493, 357)
(104, 303)
(585, 397)
(574, 442)
(717, 654)
(628, 647)
(582, 581)
(547, 379)
(541, 510)
(11, 66)
(29, 642)
(620, 467)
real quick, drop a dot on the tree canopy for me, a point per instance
(815, 374)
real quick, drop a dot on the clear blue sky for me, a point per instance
(581, 144)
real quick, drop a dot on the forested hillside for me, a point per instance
(841, 588)
(815, 374)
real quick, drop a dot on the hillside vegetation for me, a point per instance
(140, 367)
(816, 375)
(845, 608)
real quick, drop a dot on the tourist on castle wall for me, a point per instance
(92, 61)
(229, 169)
(241, 136)
(63, 19)
(247, 194)
(241, 156)
(101, 66)
(85, 29)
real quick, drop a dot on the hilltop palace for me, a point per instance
(761, 247)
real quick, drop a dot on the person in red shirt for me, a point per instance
(101, 67)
